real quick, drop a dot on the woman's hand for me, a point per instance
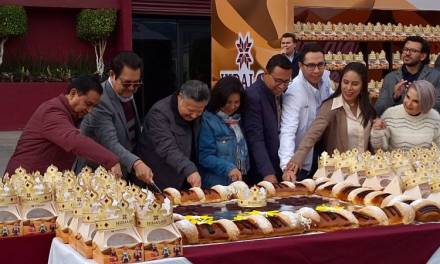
(235, 175)
(379, 124)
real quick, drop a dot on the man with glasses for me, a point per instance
(262, 116)
(301, 103)
(415, 57)
(114, 123)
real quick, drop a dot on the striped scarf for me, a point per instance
(242, 157)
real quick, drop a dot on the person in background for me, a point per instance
(223, 154)
(51, 136)
(412, 124)
(343, 122)
(415, 56)
(301, 104)
(288, 46)
(262, 119)
(168, 142)
(114, 122)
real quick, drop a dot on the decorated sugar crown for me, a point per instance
(400, 161)
(254, 197)
(85, 177)
(52, 175)
(34, 190)
(378, 167)
(89, 207)
(64, 195)
(78, 199)
(7, 192)
(325, 160)
(435, 182)
(411, 179)
(154, 213)
(112, 216)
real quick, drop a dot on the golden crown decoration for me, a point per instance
(7, 192)
(89, 207)
(325, 160)
(85, 177)
(378, 167)
(410, 179)
(34, 191)
(254, 197)
(435, 183)
(400, 161)
(112, 217)
(154, 213)
(52, 175)
(64, 196)
(78, 198)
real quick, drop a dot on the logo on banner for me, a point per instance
(244, 60)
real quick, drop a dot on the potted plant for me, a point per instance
(95, 26)
(13, 23)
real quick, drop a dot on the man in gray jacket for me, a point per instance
(114, 122)
(415, 56)
(169, 139)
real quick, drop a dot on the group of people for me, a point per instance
(274, 130)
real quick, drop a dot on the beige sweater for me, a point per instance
(405, 131)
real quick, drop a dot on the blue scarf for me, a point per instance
(242, 157)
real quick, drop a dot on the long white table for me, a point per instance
(61, 253)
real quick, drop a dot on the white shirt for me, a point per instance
(355, 129)
(301, 103)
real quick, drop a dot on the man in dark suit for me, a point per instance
(288, 46)
(262, 116)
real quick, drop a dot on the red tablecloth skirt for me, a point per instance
(26, 249)
(411, 244)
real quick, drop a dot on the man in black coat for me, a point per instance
(168, 142)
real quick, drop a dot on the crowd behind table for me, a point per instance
(274, 130)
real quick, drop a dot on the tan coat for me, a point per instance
(331, 126)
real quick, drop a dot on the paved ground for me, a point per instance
(8, 140)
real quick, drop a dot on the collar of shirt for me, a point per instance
(321, 84)
(340, 102)
(291, 56)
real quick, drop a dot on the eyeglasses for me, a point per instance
(312, 66)
(128, 84)
(409, 50)
(280, 81)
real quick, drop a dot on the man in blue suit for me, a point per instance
(288, 46)
(262, 116)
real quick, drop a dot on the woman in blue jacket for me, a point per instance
(223, 154)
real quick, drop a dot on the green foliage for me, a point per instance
(39, 70)
(95, 24)
(13, 21)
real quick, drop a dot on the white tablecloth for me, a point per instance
(61, 253)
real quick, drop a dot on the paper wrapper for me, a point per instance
(161, 242)
(118, 246)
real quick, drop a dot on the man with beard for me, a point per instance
(415, 56)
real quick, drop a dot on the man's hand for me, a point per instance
(194, 179)
(235, 175)
(289, 176)
(271, 178)
(399, 88)
(379, 124)
(292, 168)
(143, 172)
(116, 170)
